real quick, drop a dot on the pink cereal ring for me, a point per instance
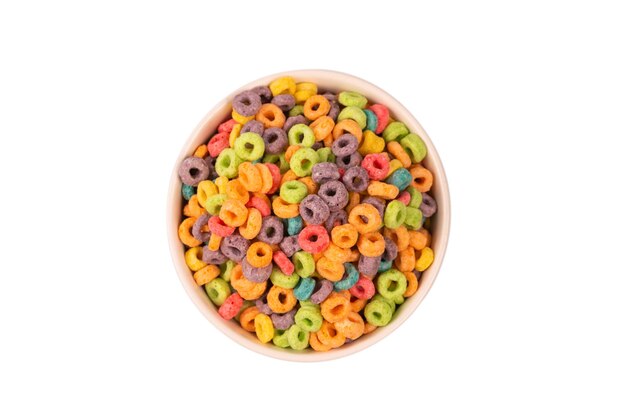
(376, 165)
(219, 228)
(228, 126)
(363, 289)
(260, 204)
(276, 177)
(382, 113)
(218, 143)
(283, 262)
(404, 197)
(314, 239)
(231, 306)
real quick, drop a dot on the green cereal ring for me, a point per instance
(392, 305)
(395, 131)
(280, 338)
(414, 146)
(326, 155)
(354, 113)
(377, 313)
(304, 263)
(218, 290)
(280, 279)
(297, 337)
(352, 98)
(308, 304)
(309, 319)
(302, 161)
(250, 146)
(214, 203)
(227, 163)
(279, 160)
(391, 285)
(395, 214)
(293, 191)
(416, 197)
(296, 110)
(226, 270)
(413, 218)
(301, 135)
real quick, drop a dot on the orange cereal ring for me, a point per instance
(369, 328)
(371, 244)
(235, 190)
(328, 141)
(250, 176)
(352, 327)
(271, 116)
(254, 292)
(206, 274)
(399, 153)
(400, 236)
(311, 186)
(246, 289)
(382, 190)
(283, 209)
(365, 218)
(316, 345)
(214, 242)
(288, 176)
(281, 300)
(411, 284)
(251, 228)
(267, 180)
(246, 318)
(357, 304)
(193, 209)
(344, 236)
(184, 233)
(291, 149)
(322, 127)
(201, 151)
(316, 107)
(328, 335)
(405, 261)
(335, 308)
(422, 178)
(263, 197)
(354, 256)
(354, 199)
(329, 270)
(233, 212)
(337, 254)
(419, 239)
(259, 254)
(348, 126)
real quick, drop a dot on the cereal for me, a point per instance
(231, 306)
(193, 170)
(285, 102)
(428, 205)
(324, 172)
(263, 327)
(300, 134)
(314, 210)
(284, 321)
(314, 239)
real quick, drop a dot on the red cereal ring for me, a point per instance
(382, 114)
(314, 239)
(231, 306)
(260, 204)
(283, 262)
(218, 143)
(275, 176)
(228, 126)
(404, 197)
(219, 228)
(363, 289)
(376, 165)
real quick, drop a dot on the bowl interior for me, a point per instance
(440, 223)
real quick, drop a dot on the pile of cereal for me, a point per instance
(307, 215)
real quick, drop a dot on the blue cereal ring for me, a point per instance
(372, 120)
(188, 191)
(304, 288)
(350, 277)
(401, 178)
(294, 225)
(384, 265)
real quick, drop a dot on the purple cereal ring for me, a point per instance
(338, 217)
(283, 321)
(345, 145)
(213, 257)
(428, 206)
(272, 230)
(294, 120)
(352, 160)
(247, 103)
(210, 161)
(317, 145)
(335, 195)
(368, 266)
(290, 245)
(264, 93)
(321, 291)
(197, 231)
(193, 170)
(234, 247)
(377, 202)
(256, 274)
(253, 126)
(313, 210)
(262, 306)
(391, 250)
(331, 97)
(334, 111)
(356, 179)
(285, 102)
(276, 140)
(324, 172)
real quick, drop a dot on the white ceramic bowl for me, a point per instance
(440, 225)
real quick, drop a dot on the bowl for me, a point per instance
(440, 223)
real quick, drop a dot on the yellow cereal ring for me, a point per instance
(233, 213)
(201, 151)
(316, 107)
(251, 228)
(267, 180)
(329, 269)
(393, 166)
(221, 183)
(322, 127)
(271, 116)
(240, 118)
(419, 239)
(405, 261)
(193, 258)
(283, 209)
(371, 244)
(281, 300)
(382, 190)
(234, 134)
(328, 335)
(264, 328)
(362, 211)
(316, 345)
(184, 233)
(344, 236)
(206, 274)
(250, 176)
(335, 307)
(283, 85)
(352, 327)
(425, 259)
(235, 190)
(193, 209)
(422, 178)
(214, 242)
(348, 126)
(399, 153)
(304, 91)
(411, 284)
(371, 144)
(400, 236)
(246, 319)
(206, 189)
(259, 254)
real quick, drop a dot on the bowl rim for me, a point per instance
(321, 77)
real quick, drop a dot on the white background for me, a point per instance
(525, 101)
